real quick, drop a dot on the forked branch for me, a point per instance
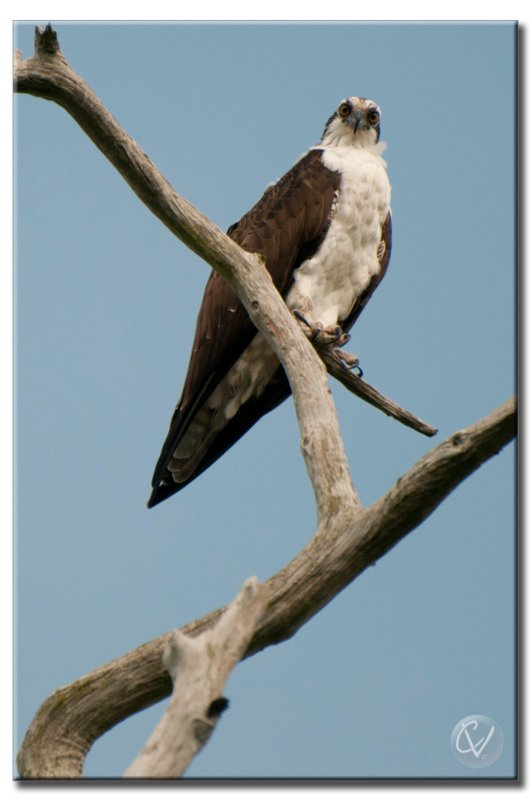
(348, 538)
(73, 717)
(48, 75)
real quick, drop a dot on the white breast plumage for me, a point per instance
(327, 285)
(325, 288)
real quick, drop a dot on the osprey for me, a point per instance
(324, 231)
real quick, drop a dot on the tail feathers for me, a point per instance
(173, 474)
(192, 448)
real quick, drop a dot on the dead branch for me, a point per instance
(348, 538)
(74, 716)
(49, 76)
(366, 392)
(199, 668)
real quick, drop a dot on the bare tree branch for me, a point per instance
(348, 538)
(365, 391)
(199, 668)
(73, 717)
(48, 75)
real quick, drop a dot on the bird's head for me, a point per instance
(355, 123)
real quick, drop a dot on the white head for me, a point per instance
(356, 123)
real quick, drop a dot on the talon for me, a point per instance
(331, 335)
(316, 333)
(349, 361)
(336, 331)
(315, 329)
(301, 318)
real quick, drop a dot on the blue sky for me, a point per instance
(106, 301)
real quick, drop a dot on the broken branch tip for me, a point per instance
(46, 41)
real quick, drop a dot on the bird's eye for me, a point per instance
(373, 117)
(344, 110)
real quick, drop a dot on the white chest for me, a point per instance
(327, 285)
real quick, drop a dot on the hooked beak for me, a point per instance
(356, 117)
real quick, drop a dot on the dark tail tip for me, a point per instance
(161, 492)
(155, 498)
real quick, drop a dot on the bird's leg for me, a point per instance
(330, 339)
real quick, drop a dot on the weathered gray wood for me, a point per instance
(355, 384)
(199, 668)
(48, 75)
(344, 546)
(348, 539)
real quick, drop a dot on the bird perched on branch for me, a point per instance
(324, 231)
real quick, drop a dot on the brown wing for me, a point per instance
(286, 227)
